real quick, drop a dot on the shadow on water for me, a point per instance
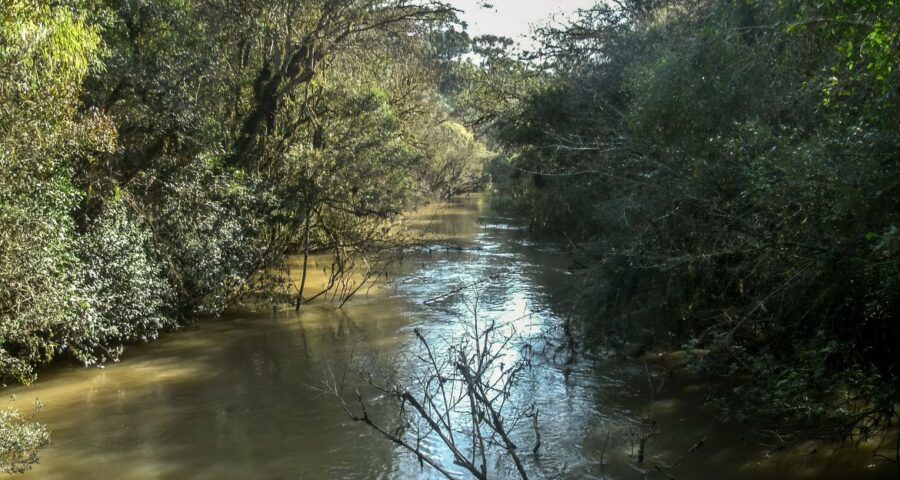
(231, 398)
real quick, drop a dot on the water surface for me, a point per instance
(231, 398)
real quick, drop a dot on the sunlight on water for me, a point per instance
(231, 398)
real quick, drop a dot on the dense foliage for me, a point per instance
(728, 173)
(44, 54)
(156, 155)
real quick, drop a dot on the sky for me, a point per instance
(514, 18)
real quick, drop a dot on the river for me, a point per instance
(234, 397)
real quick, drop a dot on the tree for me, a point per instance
(716, 166)
(44, 53)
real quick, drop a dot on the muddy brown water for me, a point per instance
(230, 398)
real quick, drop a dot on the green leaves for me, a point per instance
(20, 439)
(727, 173)
(865, 38)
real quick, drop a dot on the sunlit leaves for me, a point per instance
(20, 440)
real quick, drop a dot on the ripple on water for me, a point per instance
(231, 399)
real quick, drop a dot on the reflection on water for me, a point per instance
(230, 398)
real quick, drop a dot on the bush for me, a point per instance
(208, 227)
(20, 440)
(129, 298)
(39, 302)
(728, 172)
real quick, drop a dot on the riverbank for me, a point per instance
(231, 398)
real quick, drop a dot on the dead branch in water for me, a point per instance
(459, 395)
